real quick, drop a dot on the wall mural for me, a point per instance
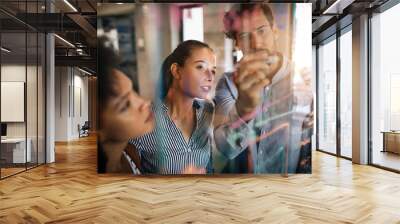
(233, 98)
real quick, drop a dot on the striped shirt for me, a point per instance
(135, 170)
(270, 142)
(165, 151)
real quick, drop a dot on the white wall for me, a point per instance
(61, 103)
(12, 73)
(33, 127)
(79, 117)
(70, 84)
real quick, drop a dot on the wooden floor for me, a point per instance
(10, 171)
(70, 191)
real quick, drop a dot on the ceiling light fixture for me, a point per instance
(329, 9)
(338, 7)
(80, 51)
(5, 50)
(70, 5)
(65, 41)
(84, 71)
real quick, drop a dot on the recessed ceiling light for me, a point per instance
(70, 5)
(5, 50)
(84, 71)
(337, 7)
(65, 41)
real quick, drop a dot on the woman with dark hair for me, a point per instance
(181, 140)
(122, 115)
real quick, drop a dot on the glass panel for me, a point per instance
(346, 94)
(31, 86)
(314, 86)
(31, 97)
(41, 99)
(386, 89)
(327, 97)
(13, 87)
(41, 42)
(22, 77)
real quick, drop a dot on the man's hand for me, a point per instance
(194, 170)
(253, 73)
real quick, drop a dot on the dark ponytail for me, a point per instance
(166, 75)
(179, 56)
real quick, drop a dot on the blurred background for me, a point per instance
(144, 34)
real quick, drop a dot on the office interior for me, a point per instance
(48, 66)
(48, 76)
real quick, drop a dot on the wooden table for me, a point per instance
(391, 141)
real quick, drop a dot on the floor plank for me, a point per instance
(70, 191)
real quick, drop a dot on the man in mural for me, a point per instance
(263, 120)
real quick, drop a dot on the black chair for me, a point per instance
(84, 130)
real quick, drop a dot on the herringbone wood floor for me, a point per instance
(70, 191)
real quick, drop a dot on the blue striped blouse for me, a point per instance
(165, 151)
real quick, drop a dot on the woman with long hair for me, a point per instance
(181, 140)
(123, 114)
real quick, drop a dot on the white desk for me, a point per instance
(17, 146)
